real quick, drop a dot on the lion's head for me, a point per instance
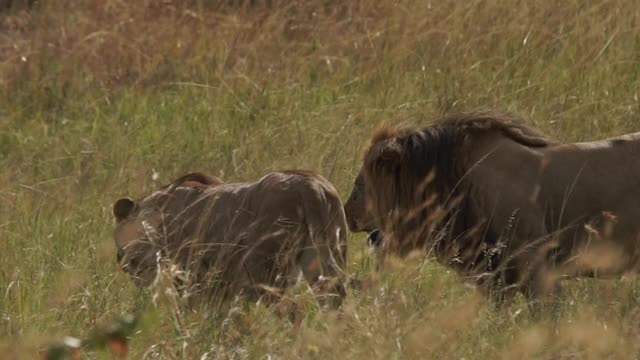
(141, 224)
(358, 207)
(412, 182)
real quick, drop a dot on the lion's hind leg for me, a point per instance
(323, 270)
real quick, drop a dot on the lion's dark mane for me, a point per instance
(441, 151)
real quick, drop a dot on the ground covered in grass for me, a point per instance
(100, 99)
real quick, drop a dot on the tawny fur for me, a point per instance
(239, 238)
(500, 202)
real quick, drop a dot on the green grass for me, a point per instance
(97, 96)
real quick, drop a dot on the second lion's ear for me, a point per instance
(122, 208)
(388, 155)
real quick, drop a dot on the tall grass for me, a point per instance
(100, 99)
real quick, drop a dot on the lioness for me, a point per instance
(238, 238)
(501, 203)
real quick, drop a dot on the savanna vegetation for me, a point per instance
(104, 99)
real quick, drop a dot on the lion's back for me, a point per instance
(273, 220)
(282, 201)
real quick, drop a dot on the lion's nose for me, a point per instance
(375, 238)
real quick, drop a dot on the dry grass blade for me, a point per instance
(102, 98)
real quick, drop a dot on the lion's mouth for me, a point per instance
(375, 238)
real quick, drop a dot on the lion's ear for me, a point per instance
(122, 208)
(389, 155)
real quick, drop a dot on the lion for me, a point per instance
(505, 206)
(249, 239)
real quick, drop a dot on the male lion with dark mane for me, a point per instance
(499, 202)
(238, 239)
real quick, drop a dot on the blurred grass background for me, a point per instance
(100, 97)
